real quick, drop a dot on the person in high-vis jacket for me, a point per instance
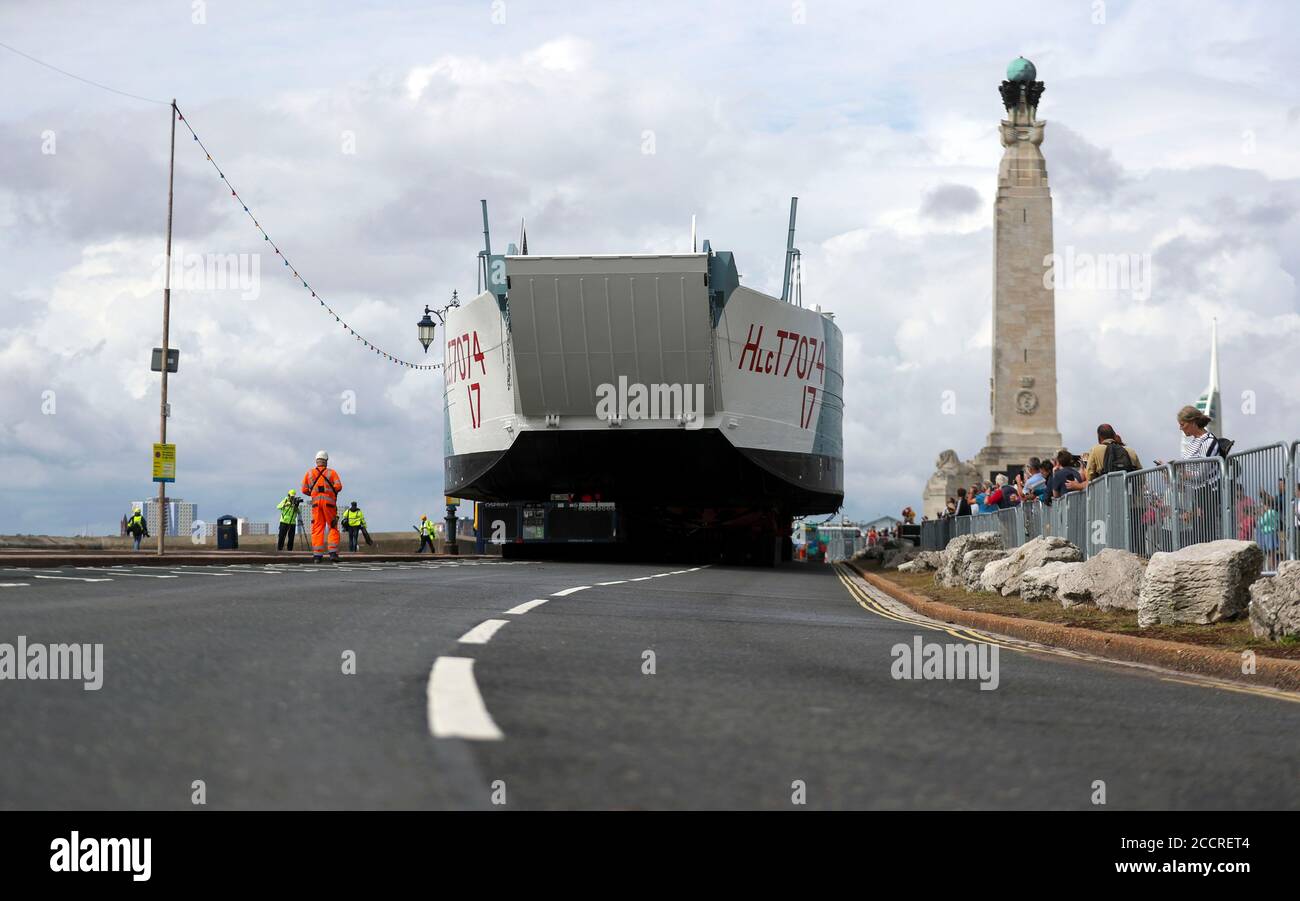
(137, 528)
(428, 530)
(288, 508)
(353, 522)
(323, 485)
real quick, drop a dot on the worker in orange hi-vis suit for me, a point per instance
(323, 485)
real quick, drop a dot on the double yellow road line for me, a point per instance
(851, 581)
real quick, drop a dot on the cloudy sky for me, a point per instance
(363, 134)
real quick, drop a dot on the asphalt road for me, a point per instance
(768, 687)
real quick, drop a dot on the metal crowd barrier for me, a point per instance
(1070, 518)
(1035, 516)
(981, 522)
(1257, 493)
(934, 534)
(1010, 525)
(1150, 511)
(1198, 500)
(1106, 503)
(1252, 495)
(1293, 503)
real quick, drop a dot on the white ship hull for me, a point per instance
(529, 385)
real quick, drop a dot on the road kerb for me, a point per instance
(1187, 658)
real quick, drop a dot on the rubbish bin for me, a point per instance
(227, 533)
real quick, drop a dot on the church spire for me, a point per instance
(1209, 402)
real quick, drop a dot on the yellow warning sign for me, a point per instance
(164, 462)
(452, 501)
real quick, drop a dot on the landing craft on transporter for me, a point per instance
(643, 399)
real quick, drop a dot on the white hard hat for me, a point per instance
(322, 455)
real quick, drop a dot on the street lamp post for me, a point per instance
(425, 330)
(426, 327)
(166, 323)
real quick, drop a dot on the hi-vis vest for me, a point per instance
(287, 513)
(353, 517)
(430, 528)
(322, 485)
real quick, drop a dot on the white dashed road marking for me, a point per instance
(483, 632)
(615, 582)
(526, 606)
(568, 591)
(13, 584)
(73, 578)
(119, 572)
(455, 707)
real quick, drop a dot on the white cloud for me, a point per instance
(546, 116)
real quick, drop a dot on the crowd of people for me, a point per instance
(1047, 480)
(880, 536)
(1258, 513)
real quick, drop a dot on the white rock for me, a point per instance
(927, 560)
(1204, 583)
(1003, 577)
(893, 559)
(1039, 584)
(1111, 579)
(1275, 603)
(973, 564)
(951, 572)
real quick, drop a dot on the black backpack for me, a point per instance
(1222, 446)
(1116, 459)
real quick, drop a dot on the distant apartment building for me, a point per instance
(180, 515)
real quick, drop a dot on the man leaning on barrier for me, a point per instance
(1110, 454)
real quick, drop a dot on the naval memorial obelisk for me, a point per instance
(1022, 390)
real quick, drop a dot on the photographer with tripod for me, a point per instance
(289, 518)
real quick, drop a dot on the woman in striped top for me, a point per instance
(1200, 442)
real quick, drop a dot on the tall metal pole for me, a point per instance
(166, 323)
(789, 251)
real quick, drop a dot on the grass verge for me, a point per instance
(1227, 636)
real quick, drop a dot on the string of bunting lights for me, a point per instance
(379, 351)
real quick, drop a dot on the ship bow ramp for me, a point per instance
(634, 379)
